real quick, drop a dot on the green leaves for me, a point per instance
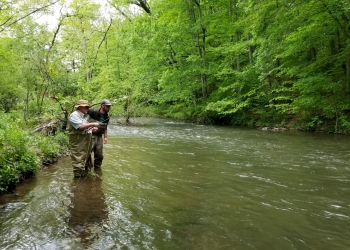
(224, 58)
(16, 156)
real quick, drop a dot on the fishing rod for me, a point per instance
(132, 107)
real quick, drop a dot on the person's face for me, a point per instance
(84, 109)
(106, 107)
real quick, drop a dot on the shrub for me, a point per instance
(47, 149)
(62, 140)
(17, 159)
(8, 177)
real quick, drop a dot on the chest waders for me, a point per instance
(97, 140)
(80, 150)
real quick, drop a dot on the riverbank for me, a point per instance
(24, 152)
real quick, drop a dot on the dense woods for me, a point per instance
(280, 63)
(246, 62)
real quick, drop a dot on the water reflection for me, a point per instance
(88, 209)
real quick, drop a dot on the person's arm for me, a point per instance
(88, 125)
(78, 123)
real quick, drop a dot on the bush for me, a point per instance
(49, 148)
(21, 152)
(61, 138)
(8, 177)
(17, 159)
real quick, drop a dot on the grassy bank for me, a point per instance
(24, 150)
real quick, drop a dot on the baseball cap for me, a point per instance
(106, 102)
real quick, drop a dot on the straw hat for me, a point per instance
(82, 103)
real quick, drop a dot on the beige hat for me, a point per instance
(82, 103)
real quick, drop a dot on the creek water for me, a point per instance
(176, 185)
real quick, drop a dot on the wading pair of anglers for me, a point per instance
(86, 127)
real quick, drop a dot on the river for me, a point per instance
(176, 185)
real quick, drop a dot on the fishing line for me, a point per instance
(131, 108)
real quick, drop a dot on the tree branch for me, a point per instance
(4, 27)
(142, 4)
(99, 46)
(120, 11)
(335, 19)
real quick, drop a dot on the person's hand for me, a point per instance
(105, 141)
(94, 129)
(102, 125)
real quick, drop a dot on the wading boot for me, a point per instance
(80, 173)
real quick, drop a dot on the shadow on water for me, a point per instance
(55, 211)
(88, 210)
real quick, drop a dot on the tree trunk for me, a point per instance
(347, 89)
(87, 68)
(200, 38)
(250, 51)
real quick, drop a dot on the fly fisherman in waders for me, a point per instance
(100, 115)
(80, 138)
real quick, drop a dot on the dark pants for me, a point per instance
(97, 149)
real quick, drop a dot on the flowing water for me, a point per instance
(175, 185)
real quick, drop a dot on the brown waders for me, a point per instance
(81, 145)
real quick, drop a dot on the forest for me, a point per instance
(271, 63)
(237, 62)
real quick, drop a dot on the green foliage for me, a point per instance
(344, 124)
(8, 177)
(49, 148)
(10, 83)
(62, 140)
(21, 152)
(242, 62)
(17, 159)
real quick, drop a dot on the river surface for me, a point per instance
(176, 185)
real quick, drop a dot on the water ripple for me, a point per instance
(177, 185)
